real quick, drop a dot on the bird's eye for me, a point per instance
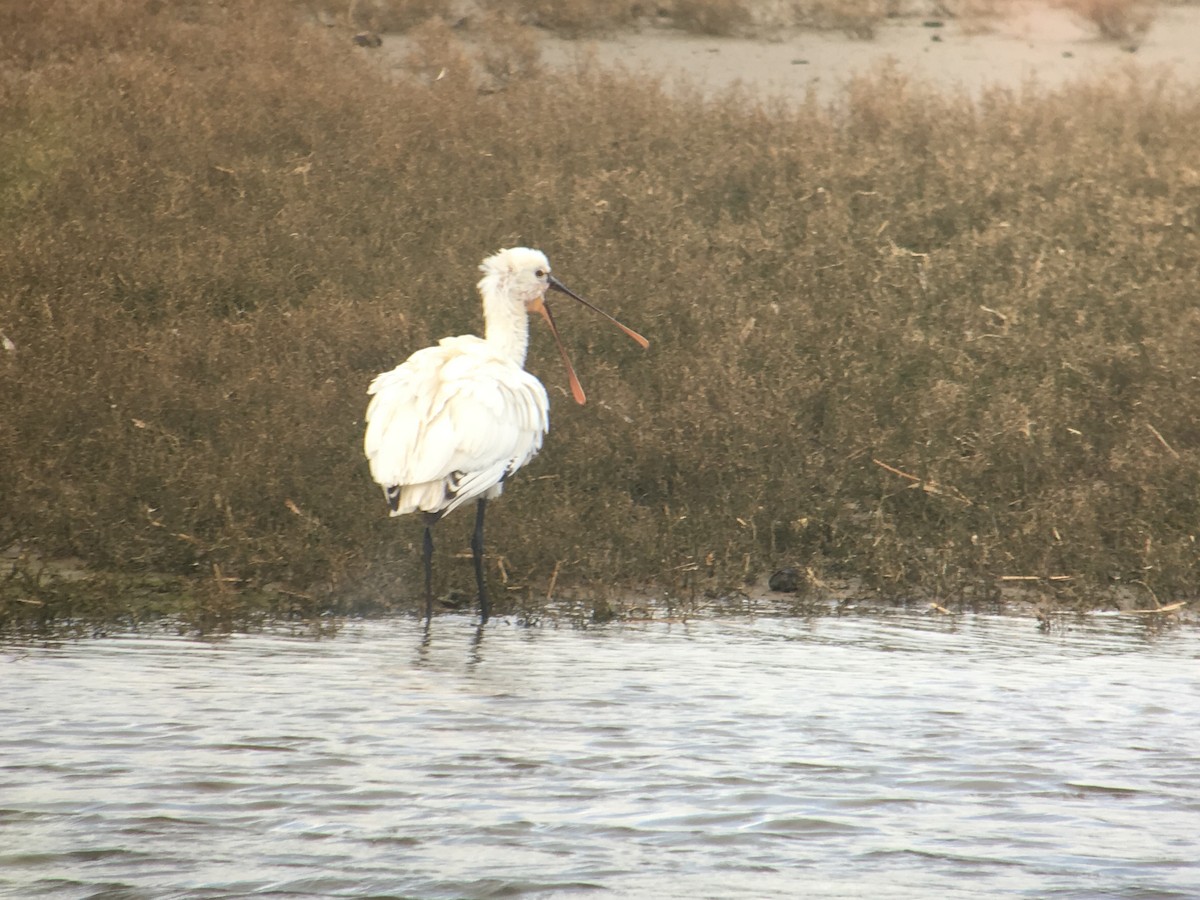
(540, 273)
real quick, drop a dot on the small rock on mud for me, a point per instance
(786, 581)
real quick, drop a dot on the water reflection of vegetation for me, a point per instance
(920, 341)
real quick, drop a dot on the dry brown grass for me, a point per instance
(1125, 20)
(390, 15)
(919, 341)
(1116, 20)
(570, 18)
(715, 17)
(859, 19)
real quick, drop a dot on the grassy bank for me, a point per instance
(929, 344)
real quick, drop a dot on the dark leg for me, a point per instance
(427, 555)
(477, 550)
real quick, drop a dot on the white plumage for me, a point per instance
(450, 424)
(453, 421)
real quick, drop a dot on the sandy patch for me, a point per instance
(1036, 43)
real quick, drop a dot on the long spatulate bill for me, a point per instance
(576, 387)
(559, 286)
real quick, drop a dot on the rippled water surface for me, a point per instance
(894, 756)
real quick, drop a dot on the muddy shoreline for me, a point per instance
(49, 598)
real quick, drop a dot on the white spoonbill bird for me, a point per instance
(452, 422)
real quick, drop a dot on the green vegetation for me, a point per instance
(913, 340)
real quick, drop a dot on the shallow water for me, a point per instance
(889, 756)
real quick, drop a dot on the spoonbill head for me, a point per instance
(521, 275)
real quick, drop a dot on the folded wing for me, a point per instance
(450, 424)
